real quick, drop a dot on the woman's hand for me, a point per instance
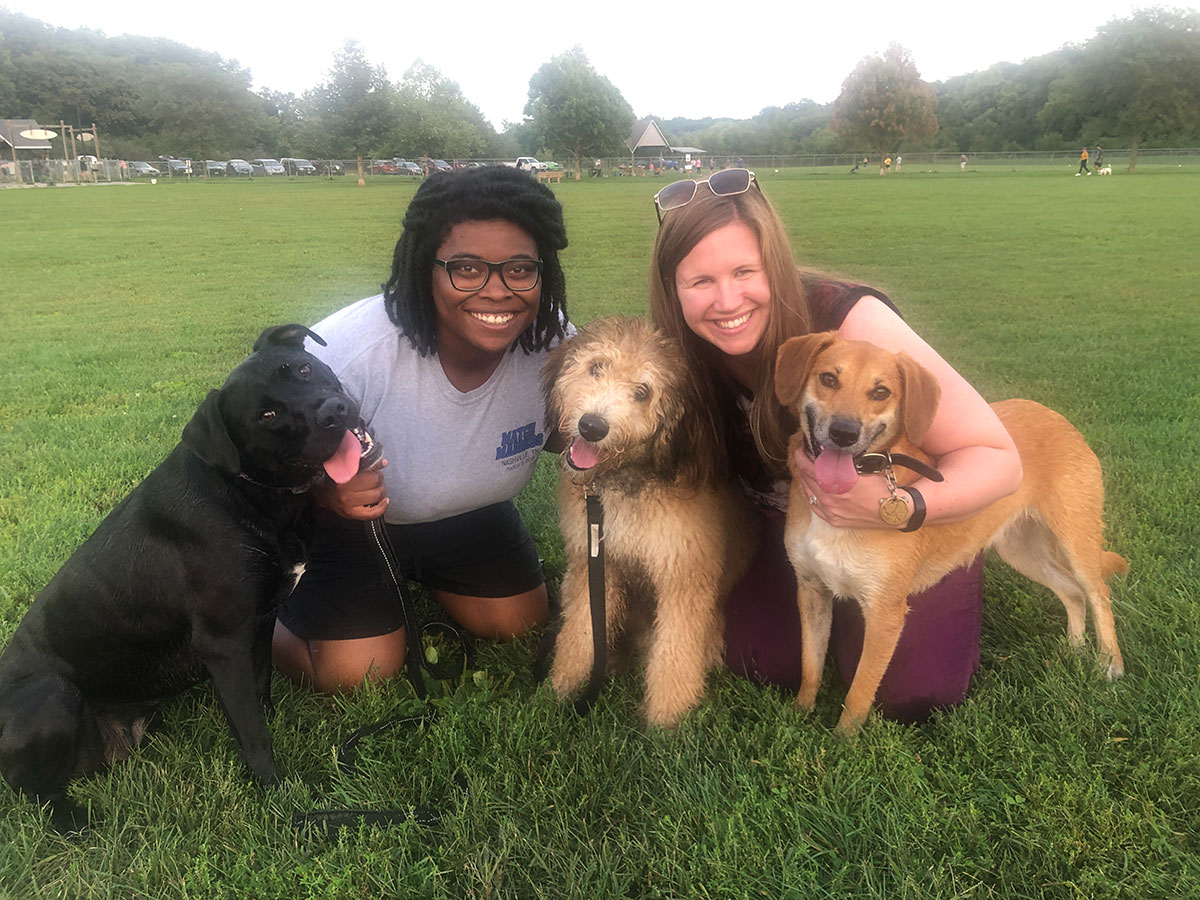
(857, 508)
(363, 497)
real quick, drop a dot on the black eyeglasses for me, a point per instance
(725, 183)
(473, 274)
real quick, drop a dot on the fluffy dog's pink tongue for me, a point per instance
(343, 465)
(835, 471)
(582, 455)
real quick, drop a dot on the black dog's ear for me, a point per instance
(208, 438)
(287, 336)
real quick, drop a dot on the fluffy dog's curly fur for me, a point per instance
(677, 534)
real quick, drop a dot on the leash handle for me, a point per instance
(595, 535)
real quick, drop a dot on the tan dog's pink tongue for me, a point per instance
(343, 465)
(835, 471)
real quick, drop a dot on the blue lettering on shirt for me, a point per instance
(519, 440)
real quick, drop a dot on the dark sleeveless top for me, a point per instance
(829, 303)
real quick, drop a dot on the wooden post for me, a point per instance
(96, 144)
(13, 146)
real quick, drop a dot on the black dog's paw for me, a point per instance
(265, 773)
(70, 819)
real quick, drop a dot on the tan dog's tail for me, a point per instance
(1112, 564)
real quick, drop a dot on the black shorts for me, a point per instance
(342, 595)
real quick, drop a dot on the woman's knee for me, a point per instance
(332, 666)
(498, 618)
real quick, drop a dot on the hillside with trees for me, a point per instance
(1133, 84)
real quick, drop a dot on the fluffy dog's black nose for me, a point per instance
(332, 413)
(592, 427)
(843, 432)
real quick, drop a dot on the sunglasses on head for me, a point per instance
(725, 183)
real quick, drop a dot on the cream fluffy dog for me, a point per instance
(851, 398)
(676, 534)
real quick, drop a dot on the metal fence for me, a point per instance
(58, 171)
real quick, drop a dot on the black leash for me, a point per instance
(347, 759)
(416, 661)
(595, 538)
(415, 658)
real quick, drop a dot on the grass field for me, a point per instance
(122, 306)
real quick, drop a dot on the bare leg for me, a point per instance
(332, 666)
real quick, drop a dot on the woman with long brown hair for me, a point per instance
(725, 284)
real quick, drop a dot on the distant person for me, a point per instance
(1083, 161)
(1099, 160)
(899, 159)
(962, 163)
(885, 166)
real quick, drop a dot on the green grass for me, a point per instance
(123, 305)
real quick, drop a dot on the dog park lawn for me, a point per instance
(123, 305)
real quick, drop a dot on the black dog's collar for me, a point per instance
(291, 489)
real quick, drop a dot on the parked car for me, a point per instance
(439, 165)
(142, 170)
(295, 166)
(179, 167)
(407, 167)
(238, 167)
(527, 164)
(267, 167)
(328, 167)
(214, 168)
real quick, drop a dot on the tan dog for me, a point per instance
(676, 537)
(852, 398)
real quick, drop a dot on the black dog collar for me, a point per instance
(291, 489)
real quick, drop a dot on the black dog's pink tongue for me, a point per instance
(582, 455)
(835, 471)
(343, 465)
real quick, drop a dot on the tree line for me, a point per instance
(1133, 84)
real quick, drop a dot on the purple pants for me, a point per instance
(937, 654)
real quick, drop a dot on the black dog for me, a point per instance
(181, 581)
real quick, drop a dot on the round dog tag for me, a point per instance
(893, 510)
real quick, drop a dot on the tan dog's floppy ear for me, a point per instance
(794, 361)
(919, 400)
(208, 438)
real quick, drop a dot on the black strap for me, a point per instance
(918, 514)
(595, 542)
(414, 649)
(874, 463)
(414, 662)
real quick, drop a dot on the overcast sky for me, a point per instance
(692, 59)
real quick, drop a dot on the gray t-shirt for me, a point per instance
(448, 452)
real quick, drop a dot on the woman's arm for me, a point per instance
(974, 451)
